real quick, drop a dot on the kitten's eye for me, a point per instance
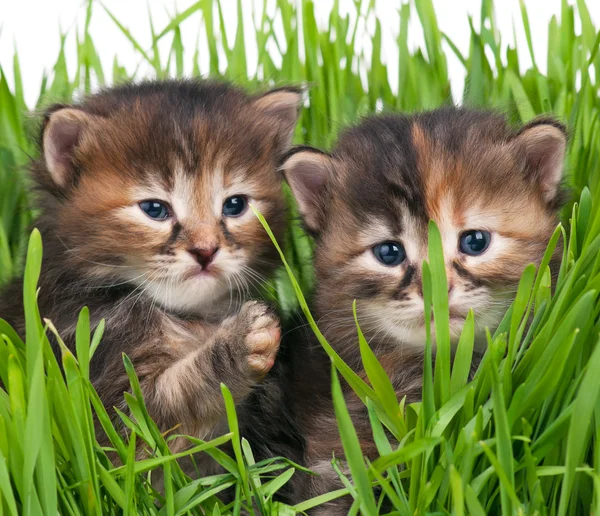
(474, 242)
(156, 210)
(390, 253)
(235, 205)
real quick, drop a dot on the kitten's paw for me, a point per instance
(262, 338)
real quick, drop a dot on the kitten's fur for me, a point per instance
(385, 179)
(192, 144)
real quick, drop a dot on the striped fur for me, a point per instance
(186, 328)
(386, 178)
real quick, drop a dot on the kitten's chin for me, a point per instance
(199, 295)
(414, 337)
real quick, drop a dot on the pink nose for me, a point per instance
(204, 256)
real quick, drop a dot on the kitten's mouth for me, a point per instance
(201, 272)
(456, 317)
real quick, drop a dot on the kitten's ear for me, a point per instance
(283, 106)
(544, 143)
(307, 171)
(61, 135)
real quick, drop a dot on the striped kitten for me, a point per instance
(494, 192)
(143, 195)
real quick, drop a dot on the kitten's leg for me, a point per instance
(239, 355)
(185, 389)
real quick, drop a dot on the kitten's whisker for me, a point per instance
(128, 281)
(291, 330)
(154, 301)
(247, 286)
(257, 280)
(150, 277)
(251, 272)
(238, 289)
(230, 291)
(144, 287)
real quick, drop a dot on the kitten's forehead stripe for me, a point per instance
(441, 167)
(185, 149)
(380, 168)
(428, 169)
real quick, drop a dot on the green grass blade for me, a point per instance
(352, 451)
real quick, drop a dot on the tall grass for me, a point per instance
(520, 437)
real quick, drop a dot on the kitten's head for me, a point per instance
(150, 185)
(493, 192)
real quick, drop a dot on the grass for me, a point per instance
(520, 437)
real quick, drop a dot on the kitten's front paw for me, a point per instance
(262, 337)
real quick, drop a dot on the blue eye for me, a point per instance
(390, 253)
(474, 242)
(235, 205)
(156, 210)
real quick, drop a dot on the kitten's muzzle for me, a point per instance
(204, 256)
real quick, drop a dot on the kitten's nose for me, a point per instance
(204, 255)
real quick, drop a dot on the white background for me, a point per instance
(33, 27)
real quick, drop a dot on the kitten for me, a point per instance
(494, 193)
(144, 195)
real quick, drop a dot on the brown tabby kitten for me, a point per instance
(144, 192)
(494, 193)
